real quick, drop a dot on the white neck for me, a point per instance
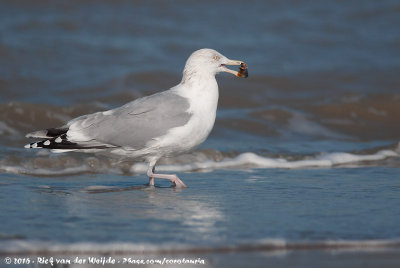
(201, 89)
(193, 75)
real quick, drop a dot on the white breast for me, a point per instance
(203, 101)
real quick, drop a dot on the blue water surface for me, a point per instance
(225, 207)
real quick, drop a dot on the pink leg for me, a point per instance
(173, 178)
(151, 179)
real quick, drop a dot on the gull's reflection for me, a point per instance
(191, 216)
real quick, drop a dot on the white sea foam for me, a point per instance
(203, 162)
(252, 160)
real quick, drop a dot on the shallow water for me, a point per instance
(224, 207)
(304, 152)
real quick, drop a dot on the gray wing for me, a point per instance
(133, 124)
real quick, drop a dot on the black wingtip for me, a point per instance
(55, 132)
(61, 143)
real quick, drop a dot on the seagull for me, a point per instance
(164, 124)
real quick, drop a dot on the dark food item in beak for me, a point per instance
(243, 70)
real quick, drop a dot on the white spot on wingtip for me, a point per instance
(58, 140)
(34, 145)
(27, 146)
(46, 143)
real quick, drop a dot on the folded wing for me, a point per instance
(131, 125)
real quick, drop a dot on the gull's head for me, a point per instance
(207, 62)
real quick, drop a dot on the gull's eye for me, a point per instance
(216, 57)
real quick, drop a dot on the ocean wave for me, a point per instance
(22, 247)
(45, 164)
(45, 172)
(252, 160)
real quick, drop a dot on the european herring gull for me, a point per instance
(167, 123)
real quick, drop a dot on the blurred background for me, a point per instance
(318, 69)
